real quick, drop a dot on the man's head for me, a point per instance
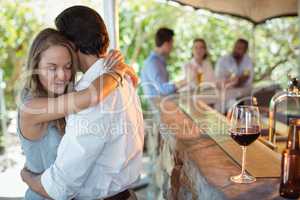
(85, 28)
(240, 48)
(164, 40)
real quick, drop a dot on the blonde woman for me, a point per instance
(48, 97)
(199, 67)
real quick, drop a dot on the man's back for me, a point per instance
(155, 78)
(101, 152)
(119, 119)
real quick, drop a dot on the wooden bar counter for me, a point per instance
(192, 161)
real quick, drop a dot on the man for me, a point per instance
(100, 155)
(154, 75)
(236, 69)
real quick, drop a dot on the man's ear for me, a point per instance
(163, 46)
(79, 57)
(73, 46)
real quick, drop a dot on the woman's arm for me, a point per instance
(45, 109)
(41, 110)
(186, 69)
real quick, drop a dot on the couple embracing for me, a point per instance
(84, 140)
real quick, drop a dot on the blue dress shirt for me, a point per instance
(155, 78)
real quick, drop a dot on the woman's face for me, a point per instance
(55, 69)
(199, 50)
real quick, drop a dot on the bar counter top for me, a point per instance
(192, 161)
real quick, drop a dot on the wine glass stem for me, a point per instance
(244, 148)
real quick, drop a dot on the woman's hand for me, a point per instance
(133, 76)
(124, 69)
(115, 62)
(113, 59)
(180, 84)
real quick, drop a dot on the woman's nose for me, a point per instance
(60, 73)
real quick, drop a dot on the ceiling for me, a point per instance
(256, 11)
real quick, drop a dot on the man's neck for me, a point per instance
(86, 61)
(160, 52)
(237, 59)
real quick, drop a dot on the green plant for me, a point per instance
(1, 142)
(17, 26)
(276, 42)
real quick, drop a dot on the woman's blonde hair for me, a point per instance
(33, 88)
(43, 41)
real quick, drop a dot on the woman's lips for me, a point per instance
(62, 83)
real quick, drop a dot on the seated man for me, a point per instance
(154, 75)
(236, 68)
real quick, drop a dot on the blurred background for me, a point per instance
(274, 45)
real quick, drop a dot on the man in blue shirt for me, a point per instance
(154, 75)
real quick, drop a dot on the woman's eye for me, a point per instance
(52, 68)
(68, 66)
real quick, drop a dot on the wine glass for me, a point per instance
(199, 77)
(244, 129)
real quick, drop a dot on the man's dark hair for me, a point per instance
(245, 42)
(163, 35)
(85, 28)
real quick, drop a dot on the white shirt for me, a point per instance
(227, 66)
(100, 154)
(192, 68)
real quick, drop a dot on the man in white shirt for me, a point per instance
(236, 69)
(100, 155)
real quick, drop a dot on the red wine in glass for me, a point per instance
(244, 129)
(243, 136)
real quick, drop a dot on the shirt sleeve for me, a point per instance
(75, 158)
(159, 77)
(210, 71)
(186, 71)
(251, 69)
(221, 69)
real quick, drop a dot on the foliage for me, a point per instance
(1, 142)
(17, 25)
(275, 42)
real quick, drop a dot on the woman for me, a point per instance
(199, 69)
(46, 101)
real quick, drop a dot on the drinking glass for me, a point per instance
(199, 77)
(245, 128)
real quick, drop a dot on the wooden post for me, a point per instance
(3, 114)
(111, 17)
(299, 36)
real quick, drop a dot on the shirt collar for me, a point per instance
(244, 57)
(194, 62)
(91, 74)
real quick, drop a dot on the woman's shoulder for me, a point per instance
(207, 62)
(31, 135)
(25, 95)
